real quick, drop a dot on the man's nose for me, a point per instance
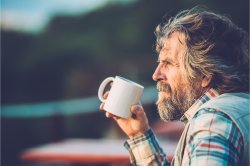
(157, 74)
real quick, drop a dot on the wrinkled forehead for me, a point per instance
(173, 46)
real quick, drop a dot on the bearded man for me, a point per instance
(203, 80)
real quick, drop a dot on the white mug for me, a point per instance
(122, 95)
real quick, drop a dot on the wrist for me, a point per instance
(139, 134)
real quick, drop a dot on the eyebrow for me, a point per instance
(167, 59)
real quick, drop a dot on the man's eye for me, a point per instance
(166, 63)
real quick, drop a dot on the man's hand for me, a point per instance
(134, 126)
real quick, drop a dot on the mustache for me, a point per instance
(163, 87)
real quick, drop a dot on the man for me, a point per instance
(203, 80)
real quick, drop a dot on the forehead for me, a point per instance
(173, 46)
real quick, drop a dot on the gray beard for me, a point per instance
(173, 108)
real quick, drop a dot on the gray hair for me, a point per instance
(215, 47)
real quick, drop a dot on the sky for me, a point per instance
(33, 15)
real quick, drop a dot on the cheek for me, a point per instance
(174, 79)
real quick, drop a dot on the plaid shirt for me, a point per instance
(205, 147)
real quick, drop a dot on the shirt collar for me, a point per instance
(208, 95)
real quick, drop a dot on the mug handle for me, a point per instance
(102, 87)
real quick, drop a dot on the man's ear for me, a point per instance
(206, 81)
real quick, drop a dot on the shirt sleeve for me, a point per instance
(145, 150)
(214, 140)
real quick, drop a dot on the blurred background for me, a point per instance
(55, 53)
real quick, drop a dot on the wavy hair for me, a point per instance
(215, 47)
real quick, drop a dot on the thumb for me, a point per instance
(137, 111)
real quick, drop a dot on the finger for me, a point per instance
(101, 106)
(109, 115)
(105, 96)
(116, 118)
